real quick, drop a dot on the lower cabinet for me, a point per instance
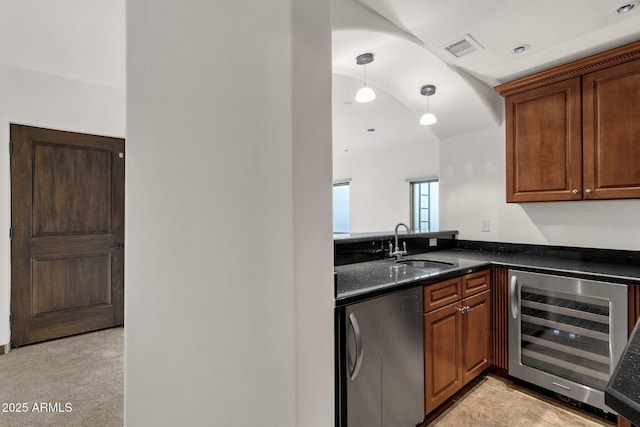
(475, 335)
(456, 335)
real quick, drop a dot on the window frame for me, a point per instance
(340, 183)
(412, 201)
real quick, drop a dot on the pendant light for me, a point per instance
(428, 118)
(365, 94)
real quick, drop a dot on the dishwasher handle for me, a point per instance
(514, 296)
(354, 367)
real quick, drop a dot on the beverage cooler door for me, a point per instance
(566, 334)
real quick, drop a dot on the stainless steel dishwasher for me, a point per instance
(381, 365)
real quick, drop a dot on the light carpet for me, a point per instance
(75, 381)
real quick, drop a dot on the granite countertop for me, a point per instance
(606, 271)
(361, 281)
(623, 391)
(364, 280)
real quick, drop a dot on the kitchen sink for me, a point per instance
(425, 263)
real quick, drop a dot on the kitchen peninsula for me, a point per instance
(364, 271)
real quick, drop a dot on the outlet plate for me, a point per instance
(485, 224)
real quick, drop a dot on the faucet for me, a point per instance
(397, 252)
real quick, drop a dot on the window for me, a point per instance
(341, 207)
(424, 204)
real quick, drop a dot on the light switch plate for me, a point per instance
(485, 224)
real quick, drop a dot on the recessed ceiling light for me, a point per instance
(520, 49)
(627, 7)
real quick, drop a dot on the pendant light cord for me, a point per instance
(365, 75)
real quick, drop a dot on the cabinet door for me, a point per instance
(612, 132)
(476, 323)
(544, 143)
(442, 354)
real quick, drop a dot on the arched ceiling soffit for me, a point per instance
(403, 65)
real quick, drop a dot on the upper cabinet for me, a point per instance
(573, 132)
(544, 143)
(611, 132)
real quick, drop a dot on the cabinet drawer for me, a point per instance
(475, 282)
(442, 293)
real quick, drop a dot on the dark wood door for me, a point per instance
(544, 143)
(612, 132)
(67, 249)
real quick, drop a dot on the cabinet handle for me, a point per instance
(353, 371)
(574, 191)
(588, 191)
(461, 310)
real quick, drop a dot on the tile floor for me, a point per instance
(496, 402)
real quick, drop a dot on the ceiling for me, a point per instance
(407, 37)
(85, 40)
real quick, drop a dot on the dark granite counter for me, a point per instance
(360, 281)
(623, 391)
(364, 280)
(608, 271)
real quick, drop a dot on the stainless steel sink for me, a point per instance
(425, 263)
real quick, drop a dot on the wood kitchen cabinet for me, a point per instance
(544, 143)
(571, 132)
(611, 132)
(456, 335)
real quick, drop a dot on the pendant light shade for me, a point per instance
(365, 94)
(428, 118)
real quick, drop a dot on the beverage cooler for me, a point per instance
(566, 334)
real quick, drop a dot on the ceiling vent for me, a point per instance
(462, 46)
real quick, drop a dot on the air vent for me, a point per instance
(463, 46)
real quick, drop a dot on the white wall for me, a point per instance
(379, 194)
(44, 100)
(229, 295)
(473, 186)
